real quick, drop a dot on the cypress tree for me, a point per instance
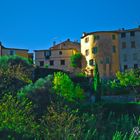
(97, 84)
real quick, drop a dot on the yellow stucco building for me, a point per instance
(102, 47)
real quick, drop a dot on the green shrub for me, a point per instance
(15, 72)
(16, 119)
(76, 60)
(64, 87)
(40, 93)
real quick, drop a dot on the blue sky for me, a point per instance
(35, 24)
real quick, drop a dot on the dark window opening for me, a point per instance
(123, 35)
(41, 63)
(12, 52)
(87, 39)
(91, 62)
(60, 52)
(113, 49)
(62, 62)
(47, 54)
(86, 52)
(132, 33)
(113, 37)
(135, 66)
(51, 62)
(125, 67)
(94, 50)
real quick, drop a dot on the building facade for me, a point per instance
(101, 47)
(129, 48)
(58, 56)
(13, 51)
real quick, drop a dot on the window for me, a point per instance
(107, 60)
(51, 62)
(135, 56)
(41, 63)
(113, 37)
(132, 33)
(91, 62)
(86, 39)
(12, 52)
(133, 44)
(60, 52)
(135, 66)
(125, 57)
(62, 62)
(123, 45)
(123, 35)
(125, 67)
(94, 50)
(47, 54)
(86, 52)
(113, 49)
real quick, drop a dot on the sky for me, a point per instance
(36, 24)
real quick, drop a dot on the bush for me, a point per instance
(15, 72)
(125, 82)
(40, 93)
(61, 123)
(64, 87)
(76, 60)
(16, 119)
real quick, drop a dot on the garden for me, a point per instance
(58, 106)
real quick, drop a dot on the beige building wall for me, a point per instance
(19, 52)
(56, 56)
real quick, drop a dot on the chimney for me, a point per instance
(84, 33)
(0, 43)
(139, 26)
(54, 43)
(123, 29)
(68, 39)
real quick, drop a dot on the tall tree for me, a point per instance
(97, 83)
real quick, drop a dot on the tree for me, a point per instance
(16, 119)
(97, 84)
(129, 78)
(39, 93)
(64, 87)
(76, 60)
(15, 72)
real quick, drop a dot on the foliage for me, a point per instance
(46, 66)
(81, 75)
(40, 93)
(128, 78)
(125, 81)
(64, 87)
(15, 72)
(97, 84)
(82, 80)
(16, 118)
(61, 123)
(76, 60)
